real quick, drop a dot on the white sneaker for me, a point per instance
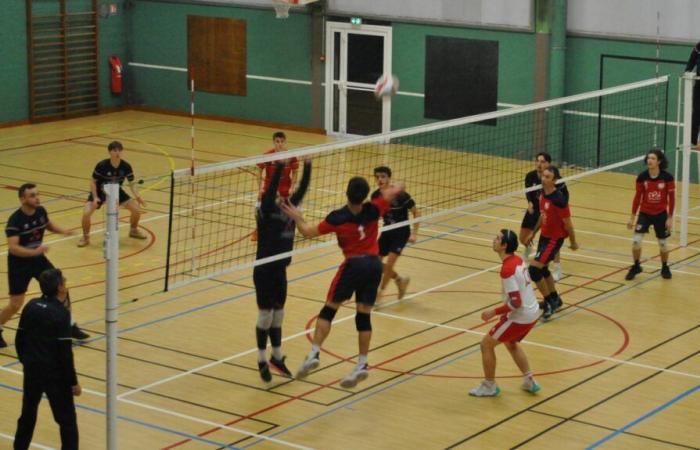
(485, 389)
(531, 386)
(402, 284)
(309, 364)
(556, 273)
(359, 373)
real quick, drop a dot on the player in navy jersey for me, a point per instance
(26, 257)
(392, 242)
(112, 169)
(356, 226)
(555, 225)
(275, 236)
(655, 199)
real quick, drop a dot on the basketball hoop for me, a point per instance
(282, 6)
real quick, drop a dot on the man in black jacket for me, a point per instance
(695, 122)
(44, 348)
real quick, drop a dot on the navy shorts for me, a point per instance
(644, 221)
(270, 285)
(123, 197)
(359, 275)
(394, 241)
(530, 220)
(547, 249)
(20, 271)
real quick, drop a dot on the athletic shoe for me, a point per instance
(279, 366)
(557, 304)
(309, 364)
(264, 370)
(634, 270)
(77, 333)
(547, 310)
(84, 241)
(531, 386)
(359, 373)
(556, 273)
(666, 272)
(402, 284)
(485, 389)
(137, 234)
(3, 344)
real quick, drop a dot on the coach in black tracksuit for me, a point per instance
(44, 347)
(693, 64)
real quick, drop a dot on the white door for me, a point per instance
(356, 56)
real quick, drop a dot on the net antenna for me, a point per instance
(282, 6)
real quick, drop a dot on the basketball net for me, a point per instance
(282, 8)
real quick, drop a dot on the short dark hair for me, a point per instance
(358, 189)
(114, 145)
(660, 155)
(279, 134)
(547, 157)
(49, 281)
(510, 239)
(25, 187)
(383, 169)
(551, 169)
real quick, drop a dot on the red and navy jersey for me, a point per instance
(286, 180)
(554, 209)
(356, 233)
(533, 179)
(398, 208)
(655, 195)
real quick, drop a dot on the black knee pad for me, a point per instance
(535, 273)
(545, 272)
(327, 313)
(363, 322)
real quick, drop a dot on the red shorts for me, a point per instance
(508, 331)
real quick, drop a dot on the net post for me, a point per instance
(170, 230)
(111, 255)
(688, 82)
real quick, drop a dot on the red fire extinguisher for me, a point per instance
(116, 74)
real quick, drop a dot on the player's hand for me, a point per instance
(95, 204)
(306, 159)
(573, 245)
(488, 315)
(40, 250)
(69, 233)
(141, 201)
(530, 208)
(669, 224)
(291, 211)
(77, 390)
(413, 238)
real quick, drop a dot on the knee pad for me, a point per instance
(637, 241)
(327, 313)
(663, 246)
(277, 317)
(264, 319)
(545, 272)
(363, 321)
(535, 273)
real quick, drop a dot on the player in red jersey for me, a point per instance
(267, 169)
(356, 226)
(555, 225)
(655, 200)
(519, 314)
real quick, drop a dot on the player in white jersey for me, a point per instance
(519, 313)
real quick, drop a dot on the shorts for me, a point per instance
(393, 241)
(123, 197)
(20, 271)
(530, 220)
(547, 249)
(644, 221)
(270, 285)
(359, 275)
(508, 331)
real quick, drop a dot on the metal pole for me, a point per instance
(111, 254)
(688, 82)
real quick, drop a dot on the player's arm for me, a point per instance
(134, 189)
(261, 180)
(295, 214)
(93, 190)
(23, 252)
(267, 203)
(671, 204)
(534, 231)
(531, 197)
(298, 195)
(636, 203)
(294, 174)
(515, 301)
(416, 226)
(65, 352)
(569, 227)
(52, 227)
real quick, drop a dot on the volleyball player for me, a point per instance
(26, 257)
(655, 199)
(356, 226)
(392, 242)
(275, 236)
(555, 225)
(519, 314)
(112, 169)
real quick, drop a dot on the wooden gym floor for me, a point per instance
(619, 366)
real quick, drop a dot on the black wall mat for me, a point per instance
(461, 77)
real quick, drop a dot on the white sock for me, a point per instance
(262, 357)
(361, 360)
(277, 353)
(315, 350)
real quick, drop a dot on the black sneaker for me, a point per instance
(279, 366)
(77, 333)
(634, 270)
(264, 370)
(548, 310)
(3, 344)
(665, 272)
(557, 304)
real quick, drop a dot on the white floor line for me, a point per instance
(33, 444)
(547, 346)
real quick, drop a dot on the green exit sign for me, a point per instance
(356, 20)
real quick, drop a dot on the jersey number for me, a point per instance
(361, 230)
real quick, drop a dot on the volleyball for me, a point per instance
(386, 85)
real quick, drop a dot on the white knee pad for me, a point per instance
(637, 241)
(663, 246)
(264, 319)
(277, 317)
